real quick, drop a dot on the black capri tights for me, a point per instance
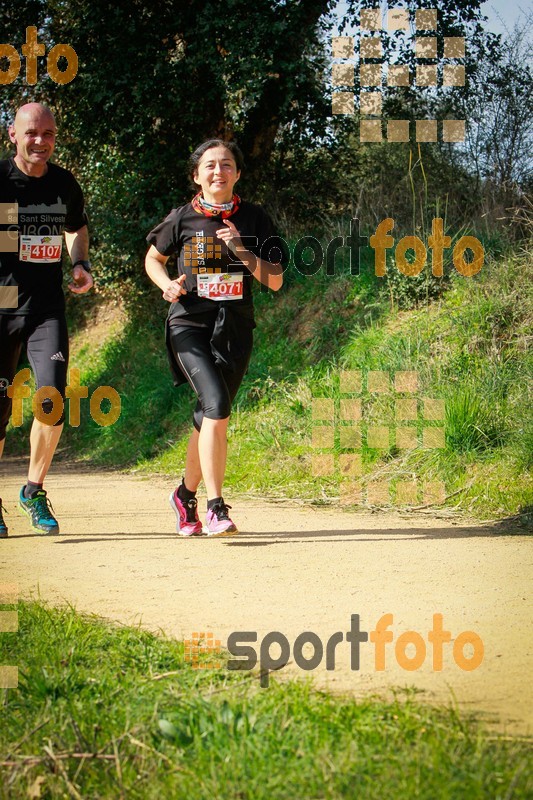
(215, 386)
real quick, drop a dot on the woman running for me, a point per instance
(221, 244)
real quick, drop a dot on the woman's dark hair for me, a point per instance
(234, 149)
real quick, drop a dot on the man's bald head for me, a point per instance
(33, 111)
(33, 132)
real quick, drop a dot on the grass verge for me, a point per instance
(108, 711)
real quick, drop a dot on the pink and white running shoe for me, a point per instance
(218, 522)
(188, 522)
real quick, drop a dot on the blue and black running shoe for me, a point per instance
(39, 510)
(3, 526)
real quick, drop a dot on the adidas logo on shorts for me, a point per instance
(57, 357)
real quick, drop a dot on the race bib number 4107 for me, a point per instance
(220, 287)
(40, 249)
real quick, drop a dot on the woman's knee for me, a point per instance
(216, 412)
(217, 405)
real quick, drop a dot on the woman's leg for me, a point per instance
(193, 470)
(206, 457)
(215, 389)
(212, 448)
(206, 450)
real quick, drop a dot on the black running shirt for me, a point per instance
(34, 212)
(192, 238)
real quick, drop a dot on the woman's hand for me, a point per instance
(231, 236)
(270, 275)
(175, 289)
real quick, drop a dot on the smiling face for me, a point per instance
(34, 134)
(217, 174)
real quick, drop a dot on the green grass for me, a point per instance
(89, 687)
(470, 348)
(472, 425)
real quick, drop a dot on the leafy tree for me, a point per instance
(156, 79)
(501, 109)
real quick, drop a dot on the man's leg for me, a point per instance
(11, 337)
(43, 443)
(47, 348)
(11, 334)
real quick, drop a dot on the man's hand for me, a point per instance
(81, 282)
(175, 289)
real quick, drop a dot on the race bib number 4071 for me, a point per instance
(40, 249)
(220, 287)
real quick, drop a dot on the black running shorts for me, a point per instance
(46, 340)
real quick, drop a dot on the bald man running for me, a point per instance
(40, 203)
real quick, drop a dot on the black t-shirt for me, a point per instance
(192, 238)
(47, 206)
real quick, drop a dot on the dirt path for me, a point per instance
(291, 569)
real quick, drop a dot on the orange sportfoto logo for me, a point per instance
(33, 50)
